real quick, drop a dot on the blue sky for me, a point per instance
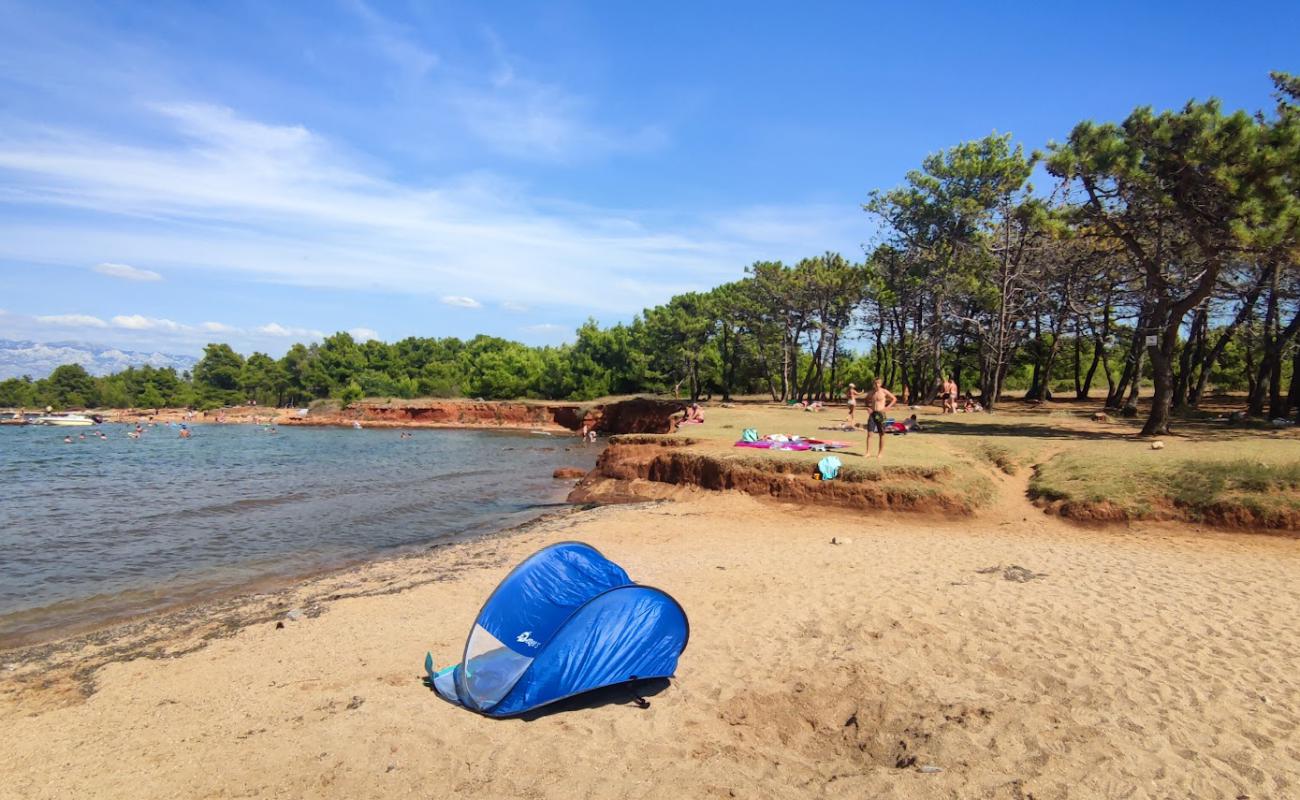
(263, 173)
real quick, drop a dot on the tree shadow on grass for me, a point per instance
(1032, 431)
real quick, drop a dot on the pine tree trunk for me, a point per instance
(1293, 396)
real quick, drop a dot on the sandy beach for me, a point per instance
(1013, 655)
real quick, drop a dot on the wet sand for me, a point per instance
(1009, 656)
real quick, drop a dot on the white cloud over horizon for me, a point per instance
(72, 320)
(136, 322)
(276, 329)
(126, 272)
(138, 330)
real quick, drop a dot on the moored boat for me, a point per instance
(64, 420)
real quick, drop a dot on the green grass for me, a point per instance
(1230, 475)
(1213, 481)
(918, 465)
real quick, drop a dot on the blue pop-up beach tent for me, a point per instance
(565, 621)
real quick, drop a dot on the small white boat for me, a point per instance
(64, 419)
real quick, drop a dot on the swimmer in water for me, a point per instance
(67, 439)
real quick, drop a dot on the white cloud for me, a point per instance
(278, 202)
(518, 308)
(136, 322)
(545, 327)
(363, 334)
(216, 327)
(73, 320)
(276, 329)
(126, 272)
(460, 301)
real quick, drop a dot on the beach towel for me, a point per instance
(749, 435)
(793, 446)
(829, 467)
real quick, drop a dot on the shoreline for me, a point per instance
(200, 596)
(188, 625)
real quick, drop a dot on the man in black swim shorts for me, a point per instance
(879, 400)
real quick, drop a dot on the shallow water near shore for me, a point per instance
(101, 529)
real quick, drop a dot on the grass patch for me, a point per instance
(1005, 456)
(658, 440)
(1193, 481)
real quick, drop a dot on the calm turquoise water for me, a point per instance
(98, 529)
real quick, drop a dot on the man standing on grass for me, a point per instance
(879, 400)
(949, 388)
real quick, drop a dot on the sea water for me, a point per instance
(104, 528)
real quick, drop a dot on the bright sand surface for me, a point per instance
(1147, 662)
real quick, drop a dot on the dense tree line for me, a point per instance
(1164, 253)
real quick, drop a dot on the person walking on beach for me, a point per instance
(879, 400)
(854, 394)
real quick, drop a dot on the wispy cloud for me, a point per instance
(142, 330)
(545, 327)
(279, 203)
(394, 41)
(538, 120)
(126, 272)
(517, 308)
(460, 301)
(73, 320)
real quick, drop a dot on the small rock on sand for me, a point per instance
(294, 615)
(1157, 445)
(929, 769)
(840, 540)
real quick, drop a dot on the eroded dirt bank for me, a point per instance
(634, 415)
(634, 469)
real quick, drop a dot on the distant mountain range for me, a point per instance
(38, 359)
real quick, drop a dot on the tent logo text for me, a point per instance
(527, 638)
